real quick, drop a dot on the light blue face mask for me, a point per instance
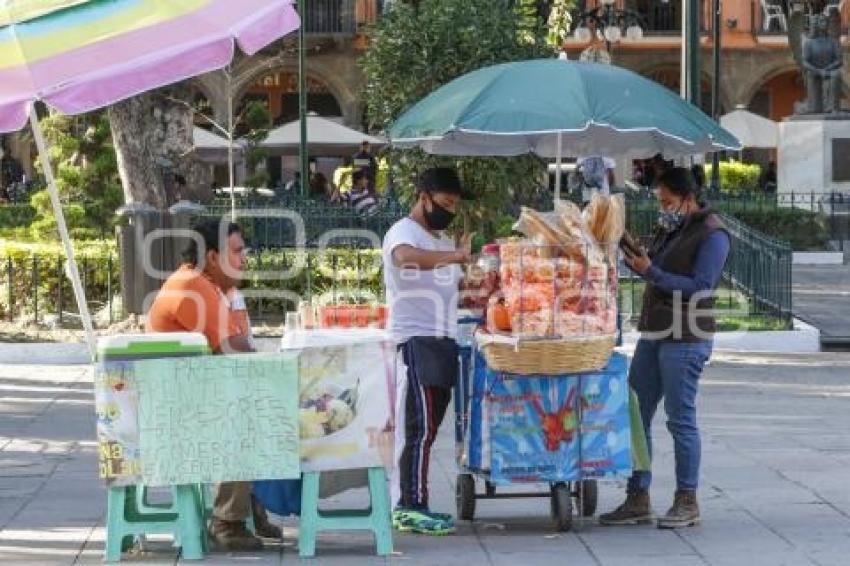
(669, 221)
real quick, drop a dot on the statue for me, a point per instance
(818, 52)
(822, 63)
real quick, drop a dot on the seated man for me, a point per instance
(194, 299)
(360, 198)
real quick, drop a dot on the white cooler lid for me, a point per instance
(125, 341)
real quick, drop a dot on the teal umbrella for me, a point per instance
(553, 107)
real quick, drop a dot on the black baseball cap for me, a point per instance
(441, 180)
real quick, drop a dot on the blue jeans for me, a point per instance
(663, 369)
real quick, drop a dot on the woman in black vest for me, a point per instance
(681, 270)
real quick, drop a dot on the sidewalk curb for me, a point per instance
(804, 339)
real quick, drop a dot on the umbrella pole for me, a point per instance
(558, 169)
(53, 191)
(230, 144)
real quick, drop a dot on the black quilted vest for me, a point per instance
(666, 316)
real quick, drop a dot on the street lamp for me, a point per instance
(615, 24)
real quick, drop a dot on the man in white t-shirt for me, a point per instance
(597, 174)
(422, 270)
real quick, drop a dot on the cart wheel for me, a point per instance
(562, 507)
(465, 497)
(489, 489)
(589, 497)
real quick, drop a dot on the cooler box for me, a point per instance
(526, 428)
(116, 396)
(154, 345)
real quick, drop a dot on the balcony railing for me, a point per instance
(765, 21)
(663, 18)
(340, 17)
(656, 18)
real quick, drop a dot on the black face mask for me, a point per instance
(438, 218)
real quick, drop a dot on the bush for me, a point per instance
(39, 283)
(803, 229)
(736, 177)
(16, 215)
(37, 269)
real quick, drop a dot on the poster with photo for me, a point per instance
(347, 381)
(116, 407)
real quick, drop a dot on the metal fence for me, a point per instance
(35, 288)
(306, 222)
(758, 272)
(340, 16)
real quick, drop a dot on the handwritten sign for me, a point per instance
(218, 418)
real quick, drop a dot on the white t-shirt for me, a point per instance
(605, 189)
(421, 302)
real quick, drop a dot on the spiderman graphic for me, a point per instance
(561, 425)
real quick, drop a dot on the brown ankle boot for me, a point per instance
(635, 510)
(232, 536)
(262, 525)
(683, 513)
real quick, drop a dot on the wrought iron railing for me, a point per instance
(340, 16)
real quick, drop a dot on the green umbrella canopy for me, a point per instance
(522, 107)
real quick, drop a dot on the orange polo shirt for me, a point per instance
(190, 302)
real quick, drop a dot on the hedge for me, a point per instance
(37, 269)
(736, 177)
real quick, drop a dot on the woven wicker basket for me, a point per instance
(549, 357)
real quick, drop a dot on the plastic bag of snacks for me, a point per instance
(561, 279)
(549, 296)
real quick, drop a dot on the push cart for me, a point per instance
(570, 459)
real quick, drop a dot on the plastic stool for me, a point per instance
(376, 518)
(183, 519)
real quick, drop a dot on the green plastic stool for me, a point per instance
(183, 519)
(376, 518)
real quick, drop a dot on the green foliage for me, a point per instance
(549, 21)
(736, 177)
(15, 215)
(36, 272)
(414, 50)
(734, 310)
(343, 275)
(803, 229)
(86, 174)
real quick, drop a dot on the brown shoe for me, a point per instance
(232, 536)
(683, 513)
(634, 511)
(262, 526)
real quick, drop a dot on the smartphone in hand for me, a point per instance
(630, 245)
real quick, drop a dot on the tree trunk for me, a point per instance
(152, 134)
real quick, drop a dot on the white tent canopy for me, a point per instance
(324, 136)
(753, 130)
(212, 148)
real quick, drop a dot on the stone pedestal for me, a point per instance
(814, 156)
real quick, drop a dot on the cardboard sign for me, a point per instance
(218, 418)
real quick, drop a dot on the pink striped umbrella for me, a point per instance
(94, 53)
(80, 55)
